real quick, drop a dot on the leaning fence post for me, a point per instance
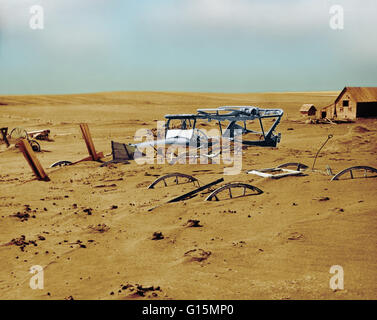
(88, 141)
(33, 161)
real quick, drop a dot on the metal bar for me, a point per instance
(221, 127)
(261, 125)
(315, 159)
(191, 193)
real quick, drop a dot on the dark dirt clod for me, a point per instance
(139, 290)
(157, 236)
(193, 223)
(23, 216)
(296, 236)
(22, 243)
(198, 255)
(100, 228)
(88, 211)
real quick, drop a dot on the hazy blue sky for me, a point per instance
(186, 45)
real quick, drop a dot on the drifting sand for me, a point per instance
(91, 230)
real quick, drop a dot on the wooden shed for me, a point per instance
(308, 110)
(352, 103)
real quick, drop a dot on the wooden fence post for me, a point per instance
(88, 141)
(33, 161)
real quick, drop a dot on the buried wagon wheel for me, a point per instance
(355, 173)
(18, 133)
(246, 187)
(35, 145)
(61, 163)
(186, 177)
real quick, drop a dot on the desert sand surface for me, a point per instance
(91, 231)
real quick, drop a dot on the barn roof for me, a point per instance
(361, 94)
(306, 107)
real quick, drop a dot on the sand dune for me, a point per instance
(91, 231)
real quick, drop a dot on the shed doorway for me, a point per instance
(366, 110)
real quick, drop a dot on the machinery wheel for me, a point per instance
(61, 163)
(35, 146)
(18, 133)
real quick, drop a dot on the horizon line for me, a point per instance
(166, 91)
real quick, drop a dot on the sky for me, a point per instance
(186, 45)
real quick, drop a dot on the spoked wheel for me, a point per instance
(35, 146)
(61, 163)
(185, 177)
(18, 133)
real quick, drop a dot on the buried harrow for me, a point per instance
(229, 186)
(192, 193)
(248, 190)
(176, 175)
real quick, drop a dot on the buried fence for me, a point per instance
(28, 151)
(93, 155)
